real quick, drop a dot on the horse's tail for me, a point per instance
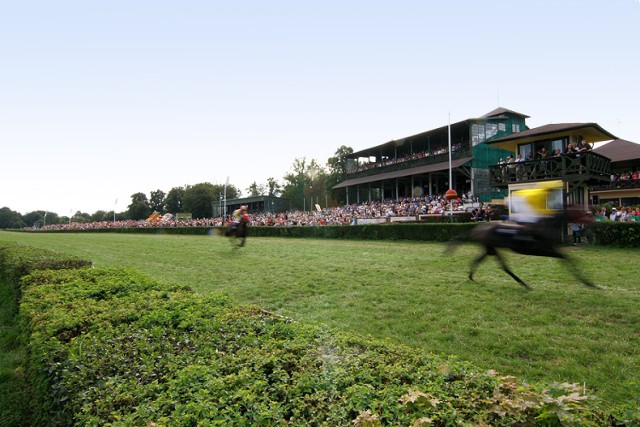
(452, 245)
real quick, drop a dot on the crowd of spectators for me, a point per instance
(408, 157)
(622, 214)
(625, 176)
(344, 215)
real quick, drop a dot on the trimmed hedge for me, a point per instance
(437, 232)
(605, 233)
(620, 234)
(17, 261)
(117, 347)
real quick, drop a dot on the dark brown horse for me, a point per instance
(538, 239)
(237, 232)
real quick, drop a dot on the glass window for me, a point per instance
(557, 144)
(525, 149)
(477, 134)
(502, 127)
(491, 130)
(515, 127)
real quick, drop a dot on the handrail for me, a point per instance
(576, 167)
(411, 163)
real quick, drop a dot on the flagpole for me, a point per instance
(224, 214)
(451, 194)
(449, 132)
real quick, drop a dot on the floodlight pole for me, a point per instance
(450, 172)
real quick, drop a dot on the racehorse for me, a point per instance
(237, 232)
(538, 239)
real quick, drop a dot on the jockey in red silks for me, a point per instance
(239, 215)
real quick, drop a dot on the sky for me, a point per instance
(100, 100)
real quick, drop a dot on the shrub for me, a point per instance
(117, 347)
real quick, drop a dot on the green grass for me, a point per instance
(408, 292)
(12, 381)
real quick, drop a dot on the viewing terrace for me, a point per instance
(576, 169)
(410, 161)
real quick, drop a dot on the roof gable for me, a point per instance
(619, 150)
(501, 112)
(554, 128)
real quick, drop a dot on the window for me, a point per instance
(477, 134)
(491, 130)
(525, 149)
(502, 127)
(557, 144)
(515, 127)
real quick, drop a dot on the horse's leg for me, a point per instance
(504, 266)
(572, 267)
(476, 263)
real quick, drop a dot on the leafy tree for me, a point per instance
(199, 199)
(337, 166)
(40, 218)
(33, 218)
(298, 183)
(256, 190)
(174, 200)
(81, 217)
(102, 216)
(139, 207)
(232, 191)
(157, 201)
(10, 219)
(274, 188)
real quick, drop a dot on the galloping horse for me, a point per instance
(538, 239)
(238, 231)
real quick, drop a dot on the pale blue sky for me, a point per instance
(103, 99)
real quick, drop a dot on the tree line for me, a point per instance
(307, 183)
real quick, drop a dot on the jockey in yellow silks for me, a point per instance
(532, 204)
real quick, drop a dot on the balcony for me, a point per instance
(409, 162)
(577, 169)
(624, 184)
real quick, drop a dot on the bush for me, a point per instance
(621, 234)
(117, 347)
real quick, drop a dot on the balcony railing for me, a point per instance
(622, 184)
(400, 164)
(583, 167)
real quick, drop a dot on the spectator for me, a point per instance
(576, 230)
(584, 146)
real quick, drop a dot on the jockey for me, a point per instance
(530, 205)
(239, 215)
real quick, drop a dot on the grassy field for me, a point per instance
(408, 292)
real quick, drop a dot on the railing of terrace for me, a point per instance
(568, 167)
(622, 184)
(396, 165)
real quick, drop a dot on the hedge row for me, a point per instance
(605, 233)
(396, 231)
(620, 234)
(117, 347)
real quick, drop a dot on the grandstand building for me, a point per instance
(419, 164)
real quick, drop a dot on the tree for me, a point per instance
(255, 189)
(10, 219)
(157, 201)
(33, 218)
(139, 207)
(199, 199)
(174, 200)
(337, 166)
(101, 215)
(298, 183)
(274, 188)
